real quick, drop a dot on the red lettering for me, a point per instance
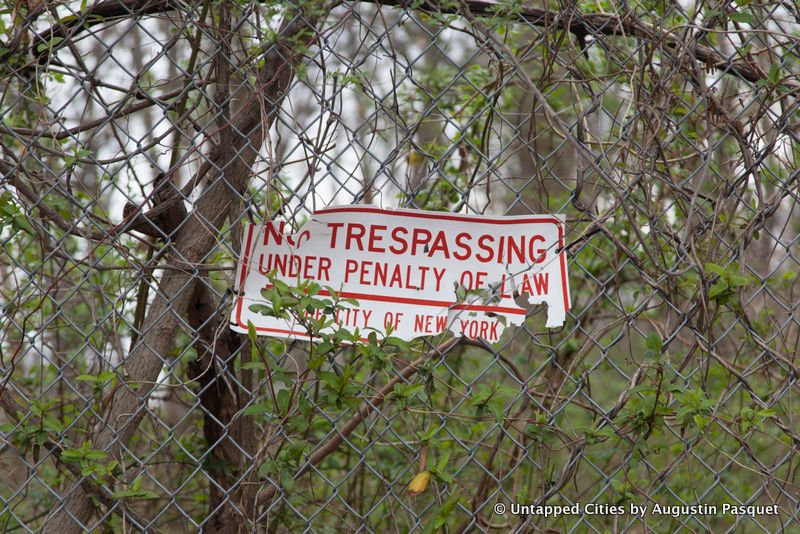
(428, 324)
(334, 228)
(270, 231)
(503, 293)
(423, 271)
(500, 250)
(294, 267)
(486, 248)
(374, 238)
(309, 263)
(365, 265)
(484, 329)
(381, 268)
(518, 249)
(494, 335)
(290, 266)
(398, 239)
(488, 330)
(397, 277)
(541, 282)
(439, 244)
(305, 235)
(416, 239)
(463, 246)
(355, 232)
(324, 271)
(280, 264)
(408, 278)
(264, 269)
(526, 285)
(350, 267)
(438, 275)
(540, 254)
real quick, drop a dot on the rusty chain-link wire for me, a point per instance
(137, 136)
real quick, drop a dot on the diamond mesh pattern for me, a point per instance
(137, 136)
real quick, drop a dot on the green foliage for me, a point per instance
(540, 431)
(134, 491)
(90, 461)
(727, 283)
(439, 469)
(403, 393)
(11, 215)
(655, 240)
(99, 382)
(752, 419)
(486, 399)
(694, 407)
(443, 514)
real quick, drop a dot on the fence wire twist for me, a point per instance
(138, 135)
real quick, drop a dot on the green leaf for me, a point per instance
(96, 455)
(21, 223)
(71, 455)
(287, 480)
(49, 44)
(642, 388)
(736, 280)
(774, 74)
(716, 269)
(481, 394)
(654, 342)
(86, 378)
(407, 390)
(740, 16)
(134, 494)
(700, 420)
(717, 290)
(260, 309)
(427, 436)
(284, 397)
(258, 409)
(497, 408)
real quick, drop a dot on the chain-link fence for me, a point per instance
(137, 137)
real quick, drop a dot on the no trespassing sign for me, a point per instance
(421, 272)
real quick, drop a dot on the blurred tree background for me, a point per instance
(136, 136)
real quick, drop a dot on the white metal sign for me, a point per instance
(421, 272)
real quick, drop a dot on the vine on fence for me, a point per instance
(137, 137)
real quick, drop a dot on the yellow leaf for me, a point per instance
(419, 483)
(415, 159)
